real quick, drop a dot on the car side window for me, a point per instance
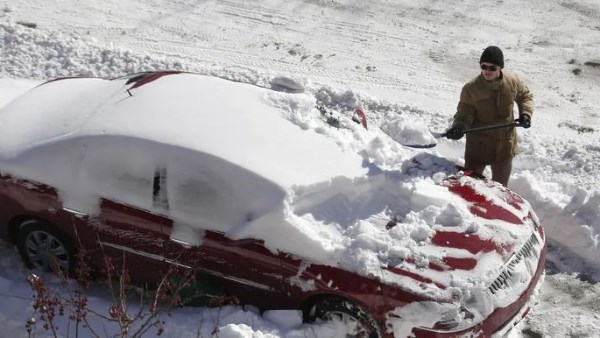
(120, 172)
(209, 193)
(201, 198)
(55, 164)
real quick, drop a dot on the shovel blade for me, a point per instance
(420, 146)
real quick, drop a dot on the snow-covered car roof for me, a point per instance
(239, 123)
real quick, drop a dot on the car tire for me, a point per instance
(346, 311)
(42, 247)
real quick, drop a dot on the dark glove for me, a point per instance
(455, 133)
(524, 121)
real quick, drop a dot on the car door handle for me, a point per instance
(75, 212)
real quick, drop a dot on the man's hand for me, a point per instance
(524, 121)
(455, 133)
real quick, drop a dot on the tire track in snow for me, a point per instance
(587, 11)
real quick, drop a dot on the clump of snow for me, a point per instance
(286, 84)
(408, 131)
(345, 99)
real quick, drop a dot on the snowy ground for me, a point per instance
(395, 59)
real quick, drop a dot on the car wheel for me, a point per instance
(44, 248)
(358, 320)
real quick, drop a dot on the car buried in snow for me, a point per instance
(236, 184)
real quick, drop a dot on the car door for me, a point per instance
(131, 223)
(135, 238)
(205, 205)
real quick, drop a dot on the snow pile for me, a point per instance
(67, 55)
(408, 132)
(569, 214)
(33, 54)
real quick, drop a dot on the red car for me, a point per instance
(166, 168)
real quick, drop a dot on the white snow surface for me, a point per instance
(404, 63)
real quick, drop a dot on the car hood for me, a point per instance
(444, 232)
(475, 254)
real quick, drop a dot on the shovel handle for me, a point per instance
(515, 123)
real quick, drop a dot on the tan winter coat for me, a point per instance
(485, 103)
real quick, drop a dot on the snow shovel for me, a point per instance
(515, 123)
(472, 130)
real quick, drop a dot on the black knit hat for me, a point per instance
(493, 54)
